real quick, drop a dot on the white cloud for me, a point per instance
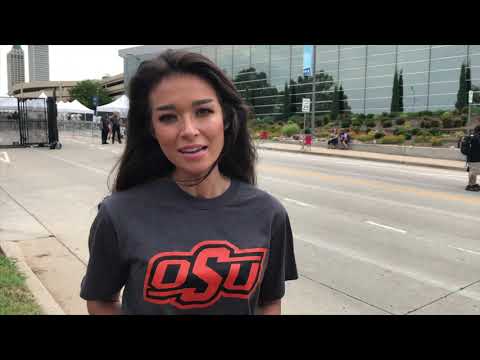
(71, 62)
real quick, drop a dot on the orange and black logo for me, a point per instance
(199, 278)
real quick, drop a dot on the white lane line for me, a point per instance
(386, 227)
(465, 250)
(299, 203)
(5, 159)
(98, 171)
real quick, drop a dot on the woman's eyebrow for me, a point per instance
(172, 107)
(201, 102)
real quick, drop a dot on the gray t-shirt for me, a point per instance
(179, 254)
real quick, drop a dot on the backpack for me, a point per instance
(465, 144)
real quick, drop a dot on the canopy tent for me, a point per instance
(120, 105)
(42, 95)
(9, 103)
(74, 107)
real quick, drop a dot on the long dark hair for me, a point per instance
(143, 160)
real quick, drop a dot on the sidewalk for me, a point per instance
(362, 155)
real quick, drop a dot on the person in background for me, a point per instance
(116, 128)
(104, 128)
(473, 160)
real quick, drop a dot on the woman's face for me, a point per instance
(187, 120)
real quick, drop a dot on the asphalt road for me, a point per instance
(370, 237)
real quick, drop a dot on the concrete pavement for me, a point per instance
(20, 224)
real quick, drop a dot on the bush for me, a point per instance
(408, 125)
(408, 136)
(415, 131)
(435, 123)
(446, 115)
(346, 123)
(392, 115)
(370, 123)
(448, 123)
(393, 139)
(400, 121)
(268, 120)
(387, 124)
(425, 113)
(323, 134)
(458, 123)
(404, 116)
(399, 131)
(384, 114)
(379, 135)
(435, 131)
(437, 141)
(364, 138)
(426, 124)
(290, 129)
(370, 116)
(356, 122)
(422, 139)
(361, 116)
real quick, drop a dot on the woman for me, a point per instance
(185, 229)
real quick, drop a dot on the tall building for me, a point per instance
(15, 66)
(38, 63)
(430, 74)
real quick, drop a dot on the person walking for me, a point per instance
(105, 129)
(116, 128)
(186, 231)
(473, 160)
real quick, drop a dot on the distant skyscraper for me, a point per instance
(38, 67)
(15, 66)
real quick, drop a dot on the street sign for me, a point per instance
(470, 96)
(307, 72)
(305, 105)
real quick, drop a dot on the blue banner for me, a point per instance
(307, 60)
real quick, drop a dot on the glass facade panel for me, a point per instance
(362, 70)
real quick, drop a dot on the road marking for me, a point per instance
(76, 164)
(465, 250)
(412, 274)
(5, 159)
(299, 203)
(386, 227)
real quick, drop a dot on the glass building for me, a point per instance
(271, 77)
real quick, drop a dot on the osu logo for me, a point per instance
(199, 278)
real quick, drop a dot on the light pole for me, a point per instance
(413, 90)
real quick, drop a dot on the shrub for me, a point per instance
(362, 116)
(346, 123)
(392, 115)
(408, 125)
(435, 131)
(408, 136)
(446, 115)
(399, 131)
(426, 124)
(415, 131)
(425, 113)
(323, 134)
(356, 122)
(437, 141)
(268, 120)
(379, 135)
(364, 138)
(422, 139)
(290, 129)
(458, 123)
(448, 123)
(370, 123)
(370, 116)
(387, 124)
(400, 121)
(393, 139)
(384, 114)
(435, 123)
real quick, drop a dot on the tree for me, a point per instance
(462, 90)
(468, 78)
(400, 92)
(335, 104)
(395, 95)
(85, 90)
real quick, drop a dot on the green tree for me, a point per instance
(400, 92)
(462, 90)
(395, 96)
(335, 104)
(85, 90)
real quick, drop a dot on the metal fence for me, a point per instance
(82, 128)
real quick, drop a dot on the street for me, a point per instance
(369, 237)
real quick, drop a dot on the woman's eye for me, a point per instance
(204, 112)
(167, 118)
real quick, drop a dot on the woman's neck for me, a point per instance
(213, 186)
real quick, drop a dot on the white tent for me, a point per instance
(42, 95)
(8, 103)
(120, 105)
(74, 107)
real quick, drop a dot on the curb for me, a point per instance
(413, 163)
(43, 297)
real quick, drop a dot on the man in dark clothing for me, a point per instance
(473, 160)
(116, 128)
(104, 128)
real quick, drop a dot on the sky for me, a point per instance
(71, 62)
